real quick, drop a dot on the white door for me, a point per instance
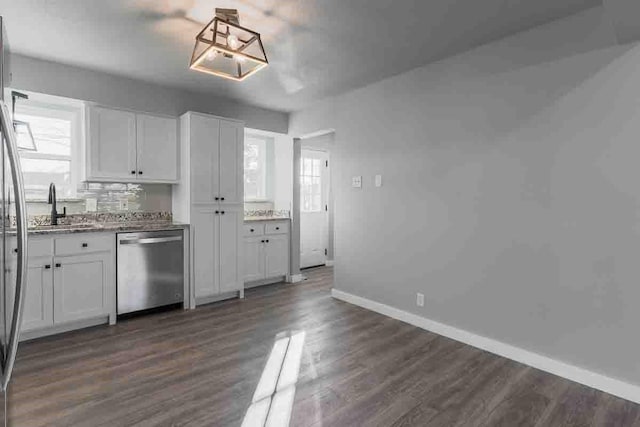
(230, 222)
(253, 258)
(112, 144)
(314, 187)
(205, 140)
(231, 162)
(276, 250)
(38, 303)
(205, 252)
(157, 144)
(80, 287)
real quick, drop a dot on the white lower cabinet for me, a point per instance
(216, 253)
(266, 250)
(81, 289)
(68, 288)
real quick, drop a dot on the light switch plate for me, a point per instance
(356, 181)
(91, 205)
(378, 180)
(124, 205)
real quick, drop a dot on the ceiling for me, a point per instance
(316, 48)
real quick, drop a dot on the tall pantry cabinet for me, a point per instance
(210, 197)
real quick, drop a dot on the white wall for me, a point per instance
(115, 91)
(283, 173)
(511, 192)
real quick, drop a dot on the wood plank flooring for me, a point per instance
(358, 368)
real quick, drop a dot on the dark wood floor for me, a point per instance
(358, 368)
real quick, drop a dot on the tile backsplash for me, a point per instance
(111, 197)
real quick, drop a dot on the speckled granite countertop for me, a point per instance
(265, 218)
(104, 227)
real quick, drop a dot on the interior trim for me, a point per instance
(592, 379)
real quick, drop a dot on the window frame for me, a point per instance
(267, 144)
(64, 111)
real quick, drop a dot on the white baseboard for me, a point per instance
(295, 278)
(601, 382)
(329, 263)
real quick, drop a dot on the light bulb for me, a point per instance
(232, 42)
(212, 55)
(239, 58)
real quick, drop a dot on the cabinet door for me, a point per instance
(38, 302)
(205, 252)
(230, 222)
(157, 145)
(81, 285)
(204, 141)
(253, 259)
(111, 144)
(231, 162)
(276, 251)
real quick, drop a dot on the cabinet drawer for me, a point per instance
(83, 243)
(276, 227)
(37, 247)
(253, 229)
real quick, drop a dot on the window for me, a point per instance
(256, 167)
(311, 184)
(55, 130)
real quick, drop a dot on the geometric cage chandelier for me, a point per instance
(224, 48)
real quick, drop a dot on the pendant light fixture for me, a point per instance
(224, 48)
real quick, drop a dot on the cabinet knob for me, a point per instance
(221, 198)
(217, 212)
(133, 172)
(217, 198)
(58, 265)
(252, 230)
(267, 240)
(85, 245)
(15, 250)
(277, 228)
(261, 241)
(222, 212)
(47, 266)
(139, 172)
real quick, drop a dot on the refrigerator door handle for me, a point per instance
(21, 229)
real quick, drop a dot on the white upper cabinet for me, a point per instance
(157, 148)
(205, 142)
(122, 146)
(111, 144)
(231, 162)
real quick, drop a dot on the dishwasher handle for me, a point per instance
(149, 240)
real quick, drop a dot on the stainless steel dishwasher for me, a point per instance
(150, 270)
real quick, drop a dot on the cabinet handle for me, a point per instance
(261, 241)
(277, 228)
(47, 266)
(85, 245)
(58, 265)
(217, 198)
(217, 212)
(222, 212)
(221, 198)
(139, 172)
(133, 172)
(15, 250)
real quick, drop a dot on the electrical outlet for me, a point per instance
(420, 299)
(356, 181)
(378, 180)
(124, 205)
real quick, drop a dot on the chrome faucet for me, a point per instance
(52, 201)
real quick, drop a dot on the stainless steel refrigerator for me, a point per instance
(12, 286)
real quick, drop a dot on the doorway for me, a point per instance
(314, 218)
